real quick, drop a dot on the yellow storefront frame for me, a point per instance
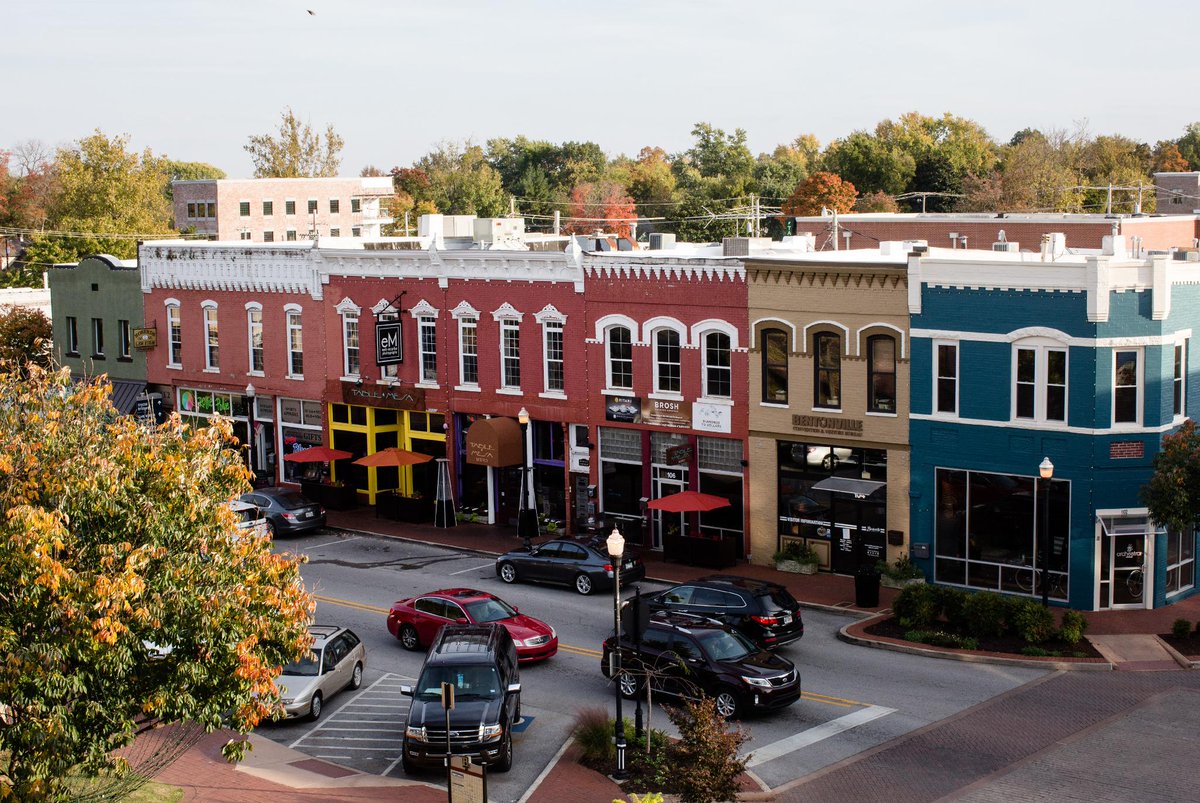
(409, 426)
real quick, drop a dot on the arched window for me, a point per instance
(827, 370)
(881, 374)
(774, 366)
(667, 374)
(620, 358)
(718, 370)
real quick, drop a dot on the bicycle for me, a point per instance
(1135, 582)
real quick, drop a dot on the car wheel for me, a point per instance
(829, 462)
(728, 704)
(356, 678)
(270, 528)
(314, 708)
(409, 638)
(406, 765)
(583, 584)
(631, 687)
(504, 763)
(508, 573)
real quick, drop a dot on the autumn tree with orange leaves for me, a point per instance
(112, 535)
(821, 191)
(600, 206)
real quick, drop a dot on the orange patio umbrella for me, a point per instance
(392, 457)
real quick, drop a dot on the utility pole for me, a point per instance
(557, 222)
(1138, 210)
(406, 223)
(835, 230)
(512, 206)
(1108, 203)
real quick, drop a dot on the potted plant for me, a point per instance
(901, 574)
(797, 557)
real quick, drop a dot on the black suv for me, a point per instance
(762, 611)
(480, 661)
(685, 656)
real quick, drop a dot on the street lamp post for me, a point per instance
(616, 548)
(1046, 470)
(250, 440)
(527, 525)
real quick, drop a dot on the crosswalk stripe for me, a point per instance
(821, 732)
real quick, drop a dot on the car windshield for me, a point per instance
(470, 682)
(306, 667)
(490, 610)
(291, 501)
(721, 646)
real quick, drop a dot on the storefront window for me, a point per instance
(986, 531)
(1181, 561)
(621, 471)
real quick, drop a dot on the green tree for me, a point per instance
(776, 175)
(113, 534)
(189, 171)
(651, 183)
(870, 164)
(1121, 162)
(1168, 159)
(461, 182)
(25, 338)
(1189, 145)
(1172, 495)
(106, 198)
(296, 152)
(706, 756)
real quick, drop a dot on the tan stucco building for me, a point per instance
(828, 429)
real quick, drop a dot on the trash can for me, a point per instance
(866, 587)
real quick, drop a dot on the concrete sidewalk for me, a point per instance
(274, 772)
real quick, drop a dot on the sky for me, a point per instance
(193, 80)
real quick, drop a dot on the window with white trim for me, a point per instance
(945, 378)
(667, 354)
(881, 374)
(175, 336)
(1039, 383)
(552, 351)
(619, 354)
(254, 338)
(468, 350)
(295, 339)
(212, 348)
(774, 366)
(427, 344)
(510, 353)
(718, 367)
(1181, 561)
(351, 365)
(1178, 385)
(827, 370)
(124, 341)
(72, 336)
(1127, 395)
(98, 338)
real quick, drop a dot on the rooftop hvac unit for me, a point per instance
(661, 241)
(1006, 247)
(492, 229)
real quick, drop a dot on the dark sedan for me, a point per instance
(580, 565)
(286, 511)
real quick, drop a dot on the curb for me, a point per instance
(926, 651)
(1178, 657)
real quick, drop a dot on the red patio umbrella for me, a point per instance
(688, 502)
(317, 454)
(392, 456)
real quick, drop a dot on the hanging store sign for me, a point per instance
(396, 398)
(145, 338)
(389, 343)
(667, 413)
(712, 417)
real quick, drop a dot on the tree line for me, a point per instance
(96, 195)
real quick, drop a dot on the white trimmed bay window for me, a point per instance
(1039, 382)
(553, 323)
(295, 341)
(254, 338)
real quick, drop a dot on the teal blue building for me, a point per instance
(1084, 359)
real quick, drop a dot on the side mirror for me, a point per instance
(406, 691)
(513, 688)
(461, 621)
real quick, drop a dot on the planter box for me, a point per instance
(403, 508)
(334, 497)
(890, 582)
(795, 567)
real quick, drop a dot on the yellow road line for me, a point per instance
(356, 605)
(584, 651)
(827, 698)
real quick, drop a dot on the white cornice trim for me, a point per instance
(549, 313)
(762, 323)
(347, 305)
(507, 311)
(464, 310)
(423, 309)
(981, 422)
(1036, 331)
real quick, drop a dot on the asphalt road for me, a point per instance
(855, 698)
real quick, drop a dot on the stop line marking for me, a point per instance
(833, 727)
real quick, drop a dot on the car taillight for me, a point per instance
(608, 567)
(767, 621)
(289, 516)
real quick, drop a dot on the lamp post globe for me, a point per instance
(527, 523)
(1046, 471)
(616, 548)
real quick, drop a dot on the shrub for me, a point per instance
(593, 733)
(916, 606)
(902, 569)
(1032, 622)
(940, 638)
(1038, 652)
(1073, 625)
(797, 551)
(706, 764)
(984, 614)
(1181, 629)
(950, 602)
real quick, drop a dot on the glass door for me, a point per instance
(667, 524)
(1124, 562)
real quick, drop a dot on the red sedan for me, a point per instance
(415, 621)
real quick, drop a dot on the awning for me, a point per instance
(495, 442)
(846, 485)
(126, 393)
